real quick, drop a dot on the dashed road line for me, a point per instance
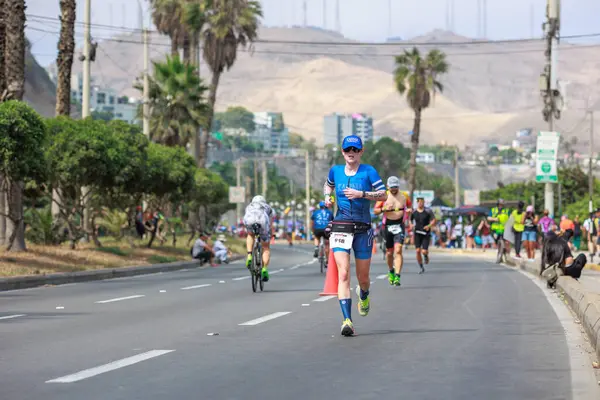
(324, 298)
(13, 316)
(196, 286)
(241, 278)
(382, 276)
(120, 299)
(265, 318)
(276, 272)
(88, 373)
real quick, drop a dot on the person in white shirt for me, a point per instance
(221, 252)
(202, 251)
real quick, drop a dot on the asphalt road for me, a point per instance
(466, 329)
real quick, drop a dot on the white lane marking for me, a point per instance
(265, 318)
(306, 263)
(162, 291)
(120, 299)
(221, 281)
(196, 286)
(382, 276)
(305, 305)
(13, 316)
(276, 272)
(88, 373)
(324, 298)
(60, 308)
(241, 278)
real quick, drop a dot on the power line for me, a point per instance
(387, 55)
(356, 44)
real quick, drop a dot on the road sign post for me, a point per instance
(546, 156)
(237, 194)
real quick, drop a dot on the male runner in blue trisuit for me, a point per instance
(355, 185)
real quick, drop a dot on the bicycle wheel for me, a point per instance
(500, 254)
(254, 275)
(322, 256)
(259, 268)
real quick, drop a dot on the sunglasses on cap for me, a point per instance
(351, 149)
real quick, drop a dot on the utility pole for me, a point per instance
(85, 101)
(238, 183)
(590, 171)
(255, 177)
(146, 84)
(549, 83)
(307, 206)
(456, 177)
(265, 185)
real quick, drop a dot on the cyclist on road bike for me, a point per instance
(393, 209)
(259, 212)
(320, 219)
(355, 185)
(498, 217)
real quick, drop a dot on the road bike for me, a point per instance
(322, 257)
(501, 255)
(255, 269)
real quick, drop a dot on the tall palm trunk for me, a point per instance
(15, 85)
(2, 94)
(195, 54)
(413, 151)
(212, 99)
(64, 63)
(187, 56)
(174, 46)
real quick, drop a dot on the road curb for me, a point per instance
(26, 282)
(585, 304)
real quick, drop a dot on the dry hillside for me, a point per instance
(491, 89)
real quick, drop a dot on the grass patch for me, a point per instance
(156, 259)
(42, 260)
(117, 251)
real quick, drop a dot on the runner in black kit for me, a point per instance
(422, 219)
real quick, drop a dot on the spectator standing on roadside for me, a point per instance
(589, 228)
(546, 224)
(518, 227)
(577, 233)
(486, 234)
(530, 221)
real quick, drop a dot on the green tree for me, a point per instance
(226, 170)
(103, 115)
(230, 24)
(417, 78)
(236, 118)
(22, 141)
(177, 105)
(167, 17)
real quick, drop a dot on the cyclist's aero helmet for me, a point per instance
(322, 204)
(393, 182)
(259, 199)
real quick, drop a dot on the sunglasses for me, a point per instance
(351, 150)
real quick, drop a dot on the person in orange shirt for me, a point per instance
(566, 224)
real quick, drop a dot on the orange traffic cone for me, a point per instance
(331, 279)
(374, 246)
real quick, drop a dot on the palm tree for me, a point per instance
(14, 63)
(167, 16)
(230, 23)
(177, 105)
(64, 61)
(417, 78)
(2, 95)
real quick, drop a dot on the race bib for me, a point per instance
(341, 240)
(421, 232)
(395, 229)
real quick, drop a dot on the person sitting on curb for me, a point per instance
(556, 255)
(222, 254)
(202, 251)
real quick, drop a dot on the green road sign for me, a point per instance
(546, 154)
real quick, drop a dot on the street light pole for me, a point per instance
(590, 171)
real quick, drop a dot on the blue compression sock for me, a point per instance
(363, 294)
(346, 305)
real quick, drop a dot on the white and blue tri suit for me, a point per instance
(357, 210)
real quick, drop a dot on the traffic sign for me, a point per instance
(237, 194)
(546, 155)
(427, 195)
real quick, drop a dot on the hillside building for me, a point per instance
(337, 126)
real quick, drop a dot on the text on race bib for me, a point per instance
(395, 229)
(341, 240)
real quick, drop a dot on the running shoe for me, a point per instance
(265, 274)
(391, 277)
(363, 305)
(426, 256)
(397, 280)
(347, 328)
(422, 270)
(249, 262)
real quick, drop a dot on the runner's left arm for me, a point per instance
(379, 193)
(432, 221)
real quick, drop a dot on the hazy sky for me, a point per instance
(360, 19)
